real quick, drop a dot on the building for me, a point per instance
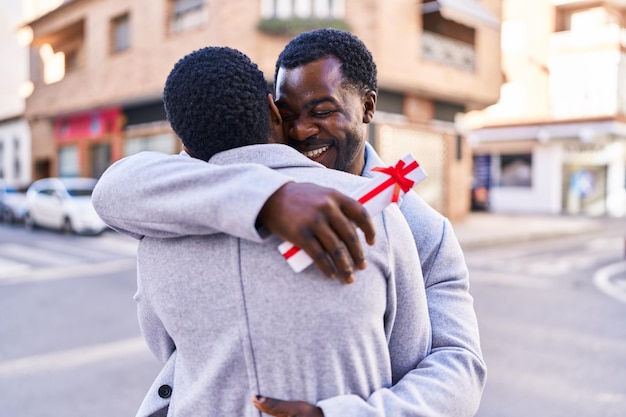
(15, 86)
(556, 141)
(14, 131)
(98, 69)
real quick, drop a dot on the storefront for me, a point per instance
(570, 168)
(146, 129)
(593, 178)
(88, 142)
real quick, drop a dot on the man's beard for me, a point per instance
(353, 143)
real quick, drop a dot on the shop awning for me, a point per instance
(466, 12)
(616, 3)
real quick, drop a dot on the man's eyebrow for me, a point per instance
(321, 100)
(281, 104)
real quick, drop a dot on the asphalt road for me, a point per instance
(69, 341)
(554, 340)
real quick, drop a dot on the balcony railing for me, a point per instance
(568, 41)
(586, 72)
(449, 52)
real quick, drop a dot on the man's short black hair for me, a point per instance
(216, 99)
(357, 63)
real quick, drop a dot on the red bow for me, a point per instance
(397, 177)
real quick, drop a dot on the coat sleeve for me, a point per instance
(450, 380)
(141, 195)
(455, 372)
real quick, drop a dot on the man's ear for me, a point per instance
(276, 122)
(369, 103)
(275, 118)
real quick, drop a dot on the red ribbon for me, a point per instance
(292, 251)
(397, 176)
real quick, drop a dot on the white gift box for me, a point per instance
(386, 187)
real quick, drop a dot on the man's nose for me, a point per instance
(301, 130)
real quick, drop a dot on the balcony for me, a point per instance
(449, 52)
(615, 3)
(586, 72)
(57, 53)
(606, 37)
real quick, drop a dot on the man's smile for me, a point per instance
(316, 152)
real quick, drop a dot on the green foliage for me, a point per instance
(293, 26)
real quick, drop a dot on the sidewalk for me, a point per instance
(486, 229)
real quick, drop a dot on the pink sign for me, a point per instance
(87, 125)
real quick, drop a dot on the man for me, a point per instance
(241, 322)
(326, 92)
(316, 219)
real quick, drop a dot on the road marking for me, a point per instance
(602, 279)
(80, 250)
(118, 244)
(65, 272)
(30, 254)
(9, 267)
(508, 279)
(610, 397)
(72, 357)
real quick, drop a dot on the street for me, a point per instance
(70, 344)
(553, 339)
(554, 343)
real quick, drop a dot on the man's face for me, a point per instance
(322, 118)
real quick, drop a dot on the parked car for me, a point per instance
(12, 203)
(63, 204)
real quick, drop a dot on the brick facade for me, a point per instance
(101, 79)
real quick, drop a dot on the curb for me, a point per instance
(606, 282)
(522, 237)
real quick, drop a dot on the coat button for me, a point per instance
(165, 391)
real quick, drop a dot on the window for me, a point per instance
(1, 159)
(515, 170)
(100, 158)
(585, 19)
(68, 161)
(161, 143)
(186, 14)
(286, 9)
(120, 33)
(446, 111)
(60, 53)
(447, 42)
(291, 17)
(436, 23)
(390, 101)
(17, 163)
(71, 60)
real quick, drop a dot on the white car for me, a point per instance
(63, 204)
(12, 203)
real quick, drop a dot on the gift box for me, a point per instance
(386, 187)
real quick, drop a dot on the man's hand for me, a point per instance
(279, 408)
(322, 222)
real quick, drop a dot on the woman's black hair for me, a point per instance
(216, 99)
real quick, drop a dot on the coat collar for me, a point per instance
(271, 155)
(283, 156)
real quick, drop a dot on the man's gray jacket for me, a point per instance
(448, 382)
